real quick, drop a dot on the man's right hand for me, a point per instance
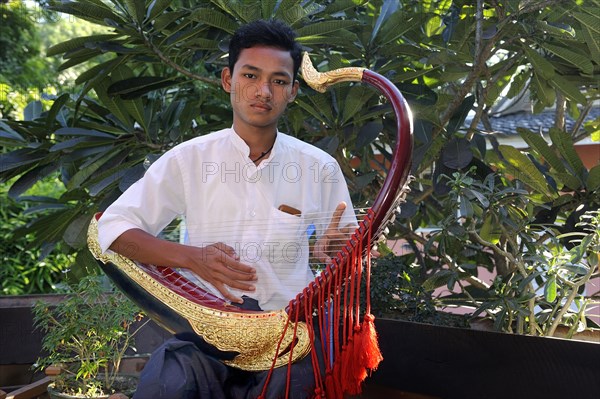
(217, 264)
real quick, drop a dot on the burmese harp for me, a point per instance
(254, 340)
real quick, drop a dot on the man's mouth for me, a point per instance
(261, 106)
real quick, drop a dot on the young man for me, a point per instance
(251, 196)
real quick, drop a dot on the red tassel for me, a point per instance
(370, 354)
(333, 383)
(332, 387)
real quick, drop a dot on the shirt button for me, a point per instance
(253, 213)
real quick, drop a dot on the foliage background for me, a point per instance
(149, 80)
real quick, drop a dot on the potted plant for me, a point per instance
(86, 337)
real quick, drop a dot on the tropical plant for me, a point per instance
(87, 335)
(156, 84)
(25, 267)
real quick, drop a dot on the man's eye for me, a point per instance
(249, 75)
(280, 82)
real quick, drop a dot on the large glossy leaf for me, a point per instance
(541, 65)
(75, 234)
(7, 132)
(88, 170)
(356, 99)
(593, 179)
(579, 60)
(326, 27)
(388, 8)
(79, 42)
(20, 157)
(137, 9)
(457, 153)
(27, 180)
(77, 131)
(140, 85)
(524, 169)
(214, 18)
(570, 90)
(545, 94)
(156, 7)
(538, 143)
(591, 40)
(88, 10)
(564, 144)
(461, 113)
(590, 21)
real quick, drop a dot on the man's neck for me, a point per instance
(258, 140)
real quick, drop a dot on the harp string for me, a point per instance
(316, 224)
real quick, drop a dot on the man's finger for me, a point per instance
(227, 249)
(337, 216)
(238, 267)
(226, 294)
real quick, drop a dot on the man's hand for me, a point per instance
(334, 237)
(219, 265)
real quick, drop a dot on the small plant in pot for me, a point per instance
(86, 337)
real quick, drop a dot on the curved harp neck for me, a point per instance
(320, 81)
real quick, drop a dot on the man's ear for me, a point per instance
(226, 79)
(294, 92)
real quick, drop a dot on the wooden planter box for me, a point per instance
(449, 363)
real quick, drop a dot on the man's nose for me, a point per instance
(264, 90)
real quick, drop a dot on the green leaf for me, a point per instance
(388, 8)
(525, 169)
(518, 83)
(592, 22)
(75, 234)
(76, 131)
(564, 144)
(99, 71)
(57, 105)
(156, 7)
(579, 60)
(544, 92)
(541, 66)
(537, 143)
(140, 85)
(86, 172)
(550, 289)
(136, 9)
(89, 11)
(570, 90)
(356, 99)
(593, 45)
(325, 27)
(78, 42)
(20, 157)
(214, 18)
(33, 110)
(434, 26)
(461, 113)
(439, 279)
(27, 180)
(8, 132)
(593, 179)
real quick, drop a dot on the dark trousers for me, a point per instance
(180, 370)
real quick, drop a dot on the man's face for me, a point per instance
(261, 85)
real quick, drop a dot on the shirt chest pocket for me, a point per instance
(286, 238)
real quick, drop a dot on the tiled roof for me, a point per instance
(507, 124)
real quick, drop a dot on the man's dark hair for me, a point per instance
(269, 33)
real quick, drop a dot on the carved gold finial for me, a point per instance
(320, 81)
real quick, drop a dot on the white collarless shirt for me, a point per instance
(223, 197)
